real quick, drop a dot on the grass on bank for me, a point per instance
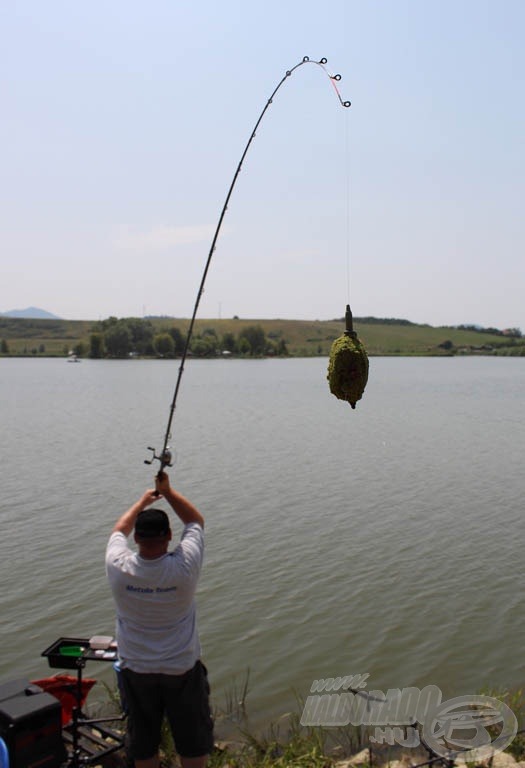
(296, 746)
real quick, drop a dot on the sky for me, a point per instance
(123, 123)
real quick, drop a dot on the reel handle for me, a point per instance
(165, 458)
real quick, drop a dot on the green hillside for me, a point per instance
(302, 338)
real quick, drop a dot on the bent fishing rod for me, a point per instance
(165, 456)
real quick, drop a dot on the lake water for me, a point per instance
(386, 540)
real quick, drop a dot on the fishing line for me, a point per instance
(348, 362)
(347, 197)
(165, 456)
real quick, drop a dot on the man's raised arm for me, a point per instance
(183, 508)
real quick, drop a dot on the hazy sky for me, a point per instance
(123, 122)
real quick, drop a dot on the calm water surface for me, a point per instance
(386, 540)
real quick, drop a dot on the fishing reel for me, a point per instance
(165, 458)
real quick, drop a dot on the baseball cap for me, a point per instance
(152, 523)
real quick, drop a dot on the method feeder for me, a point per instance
(165, 455)
(348, 365)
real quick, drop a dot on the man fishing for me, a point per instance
(158, 642)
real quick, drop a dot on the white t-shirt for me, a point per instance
(156, 622)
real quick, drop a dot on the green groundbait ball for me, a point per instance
(348, 368)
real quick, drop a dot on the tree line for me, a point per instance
(129, 337)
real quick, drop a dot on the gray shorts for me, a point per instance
(184, 699)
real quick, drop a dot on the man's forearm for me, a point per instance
(183, 508)
(126, 522)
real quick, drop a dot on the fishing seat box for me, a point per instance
(30, 725)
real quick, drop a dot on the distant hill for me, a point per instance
(303, 338)
(32, 313)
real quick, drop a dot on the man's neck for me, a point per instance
(152, 554)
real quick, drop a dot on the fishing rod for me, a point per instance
(165, 456)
